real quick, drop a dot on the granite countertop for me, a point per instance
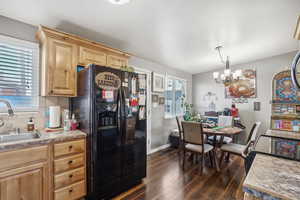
(273, 178)
(46, 138)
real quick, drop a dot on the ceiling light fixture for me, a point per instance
(227, 77)
(119, 2)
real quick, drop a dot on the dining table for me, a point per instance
(222, 132)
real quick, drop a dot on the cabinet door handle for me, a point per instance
(71, 176)
(70, 162)
(70, 147)
(71, 190)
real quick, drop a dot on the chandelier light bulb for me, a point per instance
(119, 2)
(238, 73)
(222, 77)
(235, 75)
(216, 75)
(227, 72)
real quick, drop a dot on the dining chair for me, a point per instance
(180, 136)
(194, 141)
(239, 149)
(222, 121)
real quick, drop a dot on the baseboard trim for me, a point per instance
(162, 147)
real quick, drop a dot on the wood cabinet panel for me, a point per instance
(69, 177)
(25, 183)
(17, 158)
(72, 192)
(62, 68)
(91, 56)
(66, 148)
(62, 52)
(68, 163)
(116, 61)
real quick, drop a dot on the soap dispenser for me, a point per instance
(30, 125)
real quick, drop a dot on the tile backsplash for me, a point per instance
(20, 119)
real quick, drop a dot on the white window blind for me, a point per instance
(174, 96)
(19, 82)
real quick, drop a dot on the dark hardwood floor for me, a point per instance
(167, 181)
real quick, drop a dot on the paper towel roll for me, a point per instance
(54, 116)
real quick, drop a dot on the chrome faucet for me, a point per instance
(9, 111)
(9, 108)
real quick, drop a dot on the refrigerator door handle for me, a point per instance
(118, 115)
(123, 115)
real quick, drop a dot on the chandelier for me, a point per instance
(227, 77)
(119, 2)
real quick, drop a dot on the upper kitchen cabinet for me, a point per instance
(62, 52)
(61, 69)
(91, 56)
(116, 61)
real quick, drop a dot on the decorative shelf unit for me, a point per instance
(285, 103)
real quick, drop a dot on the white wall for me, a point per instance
(161, 127)
(265, 69)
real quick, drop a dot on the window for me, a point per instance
(175, 96)
(19, 82)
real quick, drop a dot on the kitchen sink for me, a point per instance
(18, 137)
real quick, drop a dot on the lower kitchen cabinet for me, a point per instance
(56, 171)
(25, 183)
(69, 170)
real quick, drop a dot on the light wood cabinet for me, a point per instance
(47, 172)
(25, 183)
(69, 170)
(71, 192)
(24, 174)
(67, 163)
(62, 52)
(62, 68)
(62, 149)
(91, 56)
(116, 61)
(69, 177)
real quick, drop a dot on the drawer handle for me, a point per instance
(70, 190)
(71, 176)
(70, 162)
(70, 147)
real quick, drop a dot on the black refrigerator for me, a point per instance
(111, 109)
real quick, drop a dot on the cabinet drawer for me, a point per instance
(67, 148)
(71, 192)
(69, 177)
(11, 159)
(70, 162)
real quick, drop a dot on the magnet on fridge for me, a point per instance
(134, 109)
(133, 85)
(142, 113)
(108, 95)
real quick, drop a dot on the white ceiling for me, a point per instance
(177, 33)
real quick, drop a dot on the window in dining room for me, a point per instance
(175, 94)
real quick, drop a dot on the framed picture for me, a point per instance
(158, 82)
(161, 100)
(245, 87)
(154, 98)
(297, 109)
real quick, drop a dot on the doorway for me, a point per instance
(148, 104)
